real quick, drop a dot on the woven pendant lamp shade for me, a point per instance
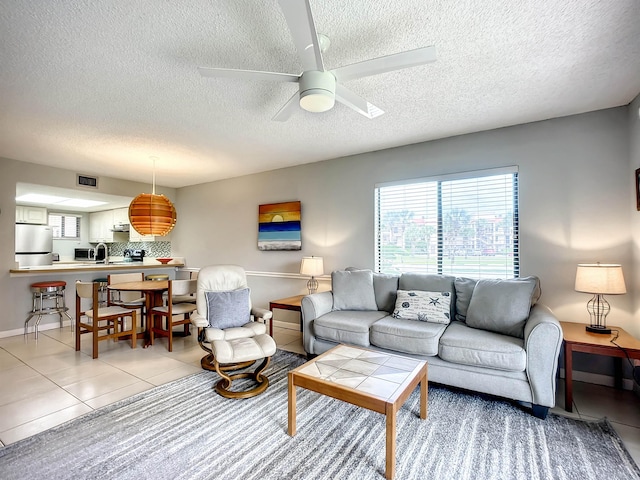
(152, 214)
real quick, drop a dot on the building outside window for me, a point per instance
(463, 225)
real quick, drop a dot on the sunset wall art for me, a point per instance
(279, 226)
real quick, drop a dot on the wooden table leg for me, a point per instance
(424, 395)
(568, 377)
(390, 463)
(292, 406)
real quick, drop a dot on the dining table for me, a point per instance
(152, 290)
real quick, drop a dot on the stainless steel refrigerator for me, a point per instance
(34, 244)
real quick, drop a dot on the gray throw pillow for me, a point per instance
(464, 290)
(385, 287)
(502, 306)
(228, 309)
(353, 290)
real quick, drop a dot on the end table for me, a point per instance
(577, 339)
(290, 303)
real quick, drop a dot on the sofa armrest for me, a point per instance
(313, 306)
(542, 342)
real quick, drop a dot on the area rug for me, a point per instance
(184, 430)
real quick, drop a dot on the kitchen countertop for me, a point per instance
(92, 267)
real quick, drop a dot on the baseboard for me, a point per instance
(41, 328)
(287, 325)
(598, 379)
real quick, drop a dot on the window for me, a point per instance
(65, 225)
(462, 225)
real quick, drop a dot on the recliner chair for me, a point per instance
(231, 343)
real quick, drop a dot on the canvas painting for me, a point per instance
(279, 226)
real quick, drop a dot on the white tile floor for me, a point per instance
(46, 383)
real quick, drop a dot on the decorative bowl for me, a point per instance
(164, 261)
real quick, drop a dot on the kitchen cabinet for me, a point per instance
(100, 226)
(134, 236)
(121, 216)
(33, 215)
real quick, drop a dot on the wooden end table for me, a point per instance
(290, 303)
(577, 339)
(369, 379)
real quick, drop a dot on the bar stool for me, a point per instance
(102, 290)
(52, 292)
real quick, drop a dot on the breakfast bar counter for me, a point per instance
(75, 268)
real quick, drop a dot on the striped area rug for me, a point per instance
(184, 430)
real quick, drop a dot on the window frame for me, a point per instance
(62, 223)
(510, 268)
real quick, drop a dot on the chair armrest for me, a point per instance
(198, 320)
(542, 342)
(313, 306)
(261, 313)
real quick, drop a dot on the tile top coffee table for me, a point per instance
(374, 380)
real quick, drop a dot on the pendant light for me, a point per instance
(151, 214)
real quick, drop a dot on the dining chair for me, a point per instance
(168, 312)
(189, 298)
(102, 322)
(127, 299)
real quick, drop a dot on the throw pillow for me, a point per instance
(353, 290)
(431, 307)
(385, 287)
(464, 290)
(502, 306)
(228, 309)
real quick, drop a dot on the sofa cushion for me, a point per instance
(464, 290)
(407, 336)
(502, 306)
(350, 327)
(353, 290)
(431, 307)
(228, 309)
(385, 287)
(479, 348)
(429, 282)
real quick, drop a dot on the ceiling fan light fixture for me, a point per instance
(317, 91)
(317, 100)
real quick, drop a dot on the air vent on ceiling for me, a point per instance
(86, 181)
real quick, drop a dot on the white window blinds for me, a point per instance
(462, 225)
(64, 226)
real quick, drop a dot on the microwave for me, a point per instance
(87, 254)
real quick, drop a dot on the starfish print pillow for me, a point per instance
(431, 307)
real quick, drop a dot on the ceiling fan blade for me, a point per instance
(298, 15)
(248, 74)
(356, 102)
(396, 61)
(288, 108)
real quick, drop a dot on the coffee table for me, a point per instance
(369, 379)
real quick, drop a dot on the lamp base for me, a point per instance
(598, 329)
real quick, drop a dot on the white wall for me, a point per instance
(574, 206)
(633, 277)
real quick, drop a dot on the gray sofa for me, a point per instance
(489, 336)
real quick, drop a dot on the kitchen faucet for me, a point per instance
(106, 252)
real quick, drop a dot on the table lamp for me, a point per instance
(313, 267)
(599, 279)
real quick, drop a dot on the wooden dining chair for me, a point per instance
(127, 299)
(168, 312)
(102, 322)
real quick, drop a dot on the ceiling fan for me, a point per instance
(319, 88)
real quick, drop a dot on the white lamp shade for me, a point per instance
(312, 266)
(600, 278)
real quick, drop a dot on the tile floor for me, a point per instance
(46, 383)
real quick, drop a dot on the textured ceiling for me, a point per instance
(101, 86)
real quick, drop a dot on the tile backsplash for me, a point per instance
(152, 249)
